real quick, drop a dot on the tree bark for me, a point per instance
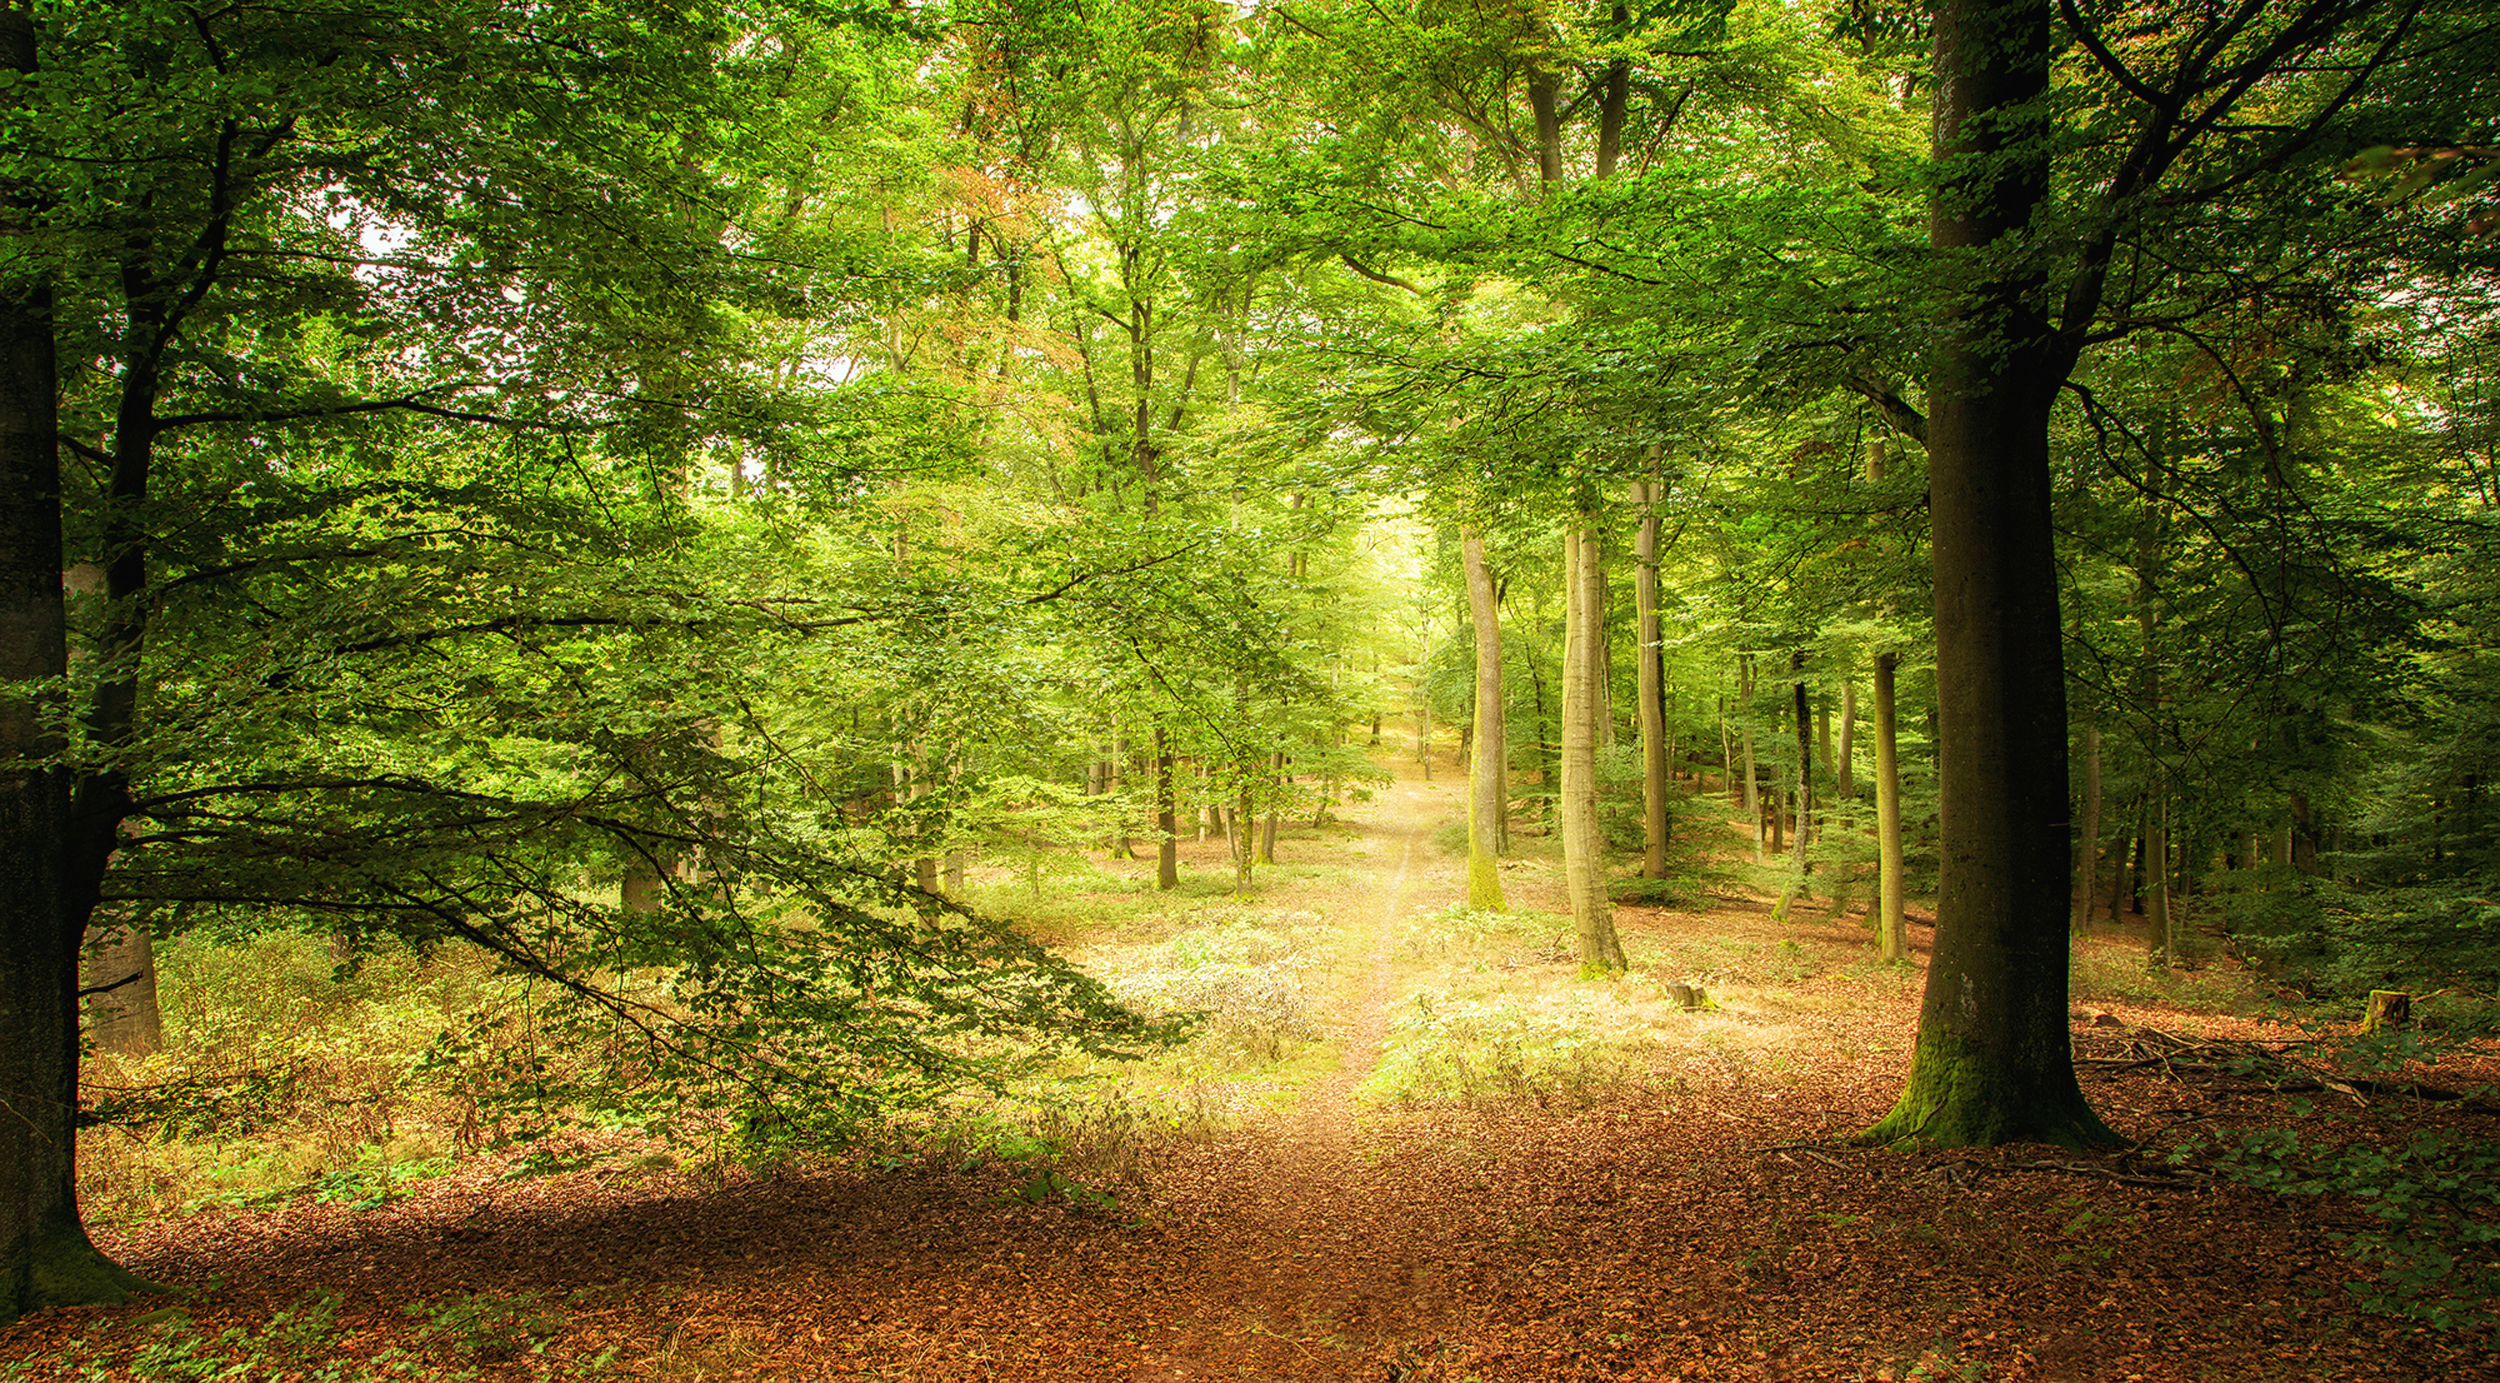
(1993, 1062)
(1744, 728)
(1167, 817)
(2088, 840)
(46, 1258)
(1651, 683)
(1584, 867)
(1890, 940)
(1844, 756)
(120, 981)
(1487, 775)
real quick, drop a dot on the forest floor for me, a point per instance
(1682, 1208)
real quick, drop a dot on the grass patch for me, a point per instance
(1457, 1049)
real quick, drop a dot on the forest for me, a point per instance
(1031, 689)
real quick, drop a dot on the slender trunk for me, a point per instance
(1167, 817)
(1844, 757)
(1486, 784)
(1239, 835)
(1890, 937)
(1651, 688)
(1584, 866)
(1267, 828)
(1744, 726)
(1805, 766)
(2088, 851)
(2157, 938)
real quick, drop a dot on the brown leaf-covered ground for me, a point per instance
(1707, 1223)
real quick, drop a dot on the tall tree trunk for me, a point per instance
(2088, 852)
(1584, 845)
(1744, 728)
(1267, 828)
(1890, 938)
(1487, 775)
(1805, 765)
(1994, 1062)
(1167, 817)
(1652, 680)
(1844, 756)
(2157, 881)
(45, 1256)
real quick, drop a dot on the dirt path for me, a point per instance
(1342, 1255)
(1701, 1225)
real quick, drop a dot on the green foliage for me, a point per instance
(1238, 973)
(302, 1343)
(1440, 1049)
(487, 1327)
(2433, 1199)
(2331, 938)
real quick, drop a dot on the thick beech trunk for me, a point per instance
(45, 1256)
(1487, 772)
(1993, 1062)
(1584, 863)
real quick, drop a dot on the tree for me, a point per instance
(1488, 765)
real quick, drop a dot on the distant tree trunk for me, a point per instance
(1805, 765)
(1238, 836)
(1267, 828)
(1651, 681)
(1744, 728)
(1584, 863)
(2157, 939)
(2088, 851)
(1487, 780)
(1844, 759)
(1167, 817)
(1890, 938)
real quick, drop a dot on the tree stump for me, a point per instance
(1686, 995)
(2389, 1008)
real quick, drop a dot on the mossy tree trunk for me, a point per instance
(1488, 767)
(1993, 1062)
(1584, 865)
(1651, 682)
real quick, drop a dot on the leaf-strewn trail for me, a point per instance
(1705, 1224)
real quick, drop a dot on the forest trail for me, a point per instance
(1342, 1252)
(1698, 1219)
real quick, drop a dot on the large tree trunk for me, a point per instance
(45, 1256)
(1651, 688)
(1584, 846)
(1993, 1062)
(1487, 768)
